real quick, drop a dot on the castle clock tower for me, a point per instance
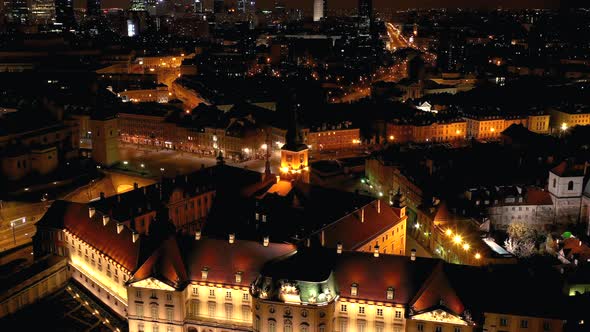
(294, 154)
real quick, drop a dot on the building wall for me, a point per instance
(563, 120)
(188, 211)
(539, 123)
(334, 139)
(34, 288)
(513, 323)
(271, 316)
(501, 216)
(105, 145)
(143, 96)
(565, 186)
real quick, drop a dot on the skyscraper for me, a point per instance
(366, 8)
(93, 7)
(246, 6)
(64, 13)
(320, 9)
(218, 6)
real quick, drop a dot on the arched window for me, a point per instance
(304, 327)
(288, 327)
(570, 185)
(272, 325)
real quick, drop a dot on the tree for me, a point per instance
(522, 240)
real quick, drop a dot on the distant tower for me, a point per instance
(93, 7)
(218, 6)
(294, 154)
(320, 10)
(64, 13)
(246, 6)
(105, 143)
(43, 11)
(366, 9)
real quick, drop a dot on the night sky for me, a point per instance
(400, 4)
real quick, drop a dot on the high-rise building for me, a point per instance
(246, 6)
(198, 6)
(218, 6)
(64, 13)
(320, 9)
(366, 8)
(42, 11)
(93, 7)
(16, 11)
(143, 5)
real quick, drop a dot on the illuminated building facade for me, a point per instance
(167, 281)
(336, 139)
(105, 139)
(294, 153)
(567, 117)
(43, 11)
(437, 131)
(320, 10)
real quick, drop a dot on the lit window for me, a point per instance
(169, 314)
(524, 324)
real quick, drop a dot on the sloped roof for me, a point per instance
(75, 218)
(352, 232)
(568, 169)
(437, 291)
(165, 264)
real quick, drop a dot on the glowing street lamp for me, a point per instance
(457, 239)
(466, 246)
(477, 256)
(449, 232)
(564, 126)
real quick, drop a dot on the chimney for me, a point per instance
(101, 195)
(118, 198)
(363, 215)
(186, 178)
(119, 227)
(265, 241)
(413, 255)
(378, 206)
(145, 190)
(197, 235)
(105, 220)
(135, 186)
(91, 211)
(232, 238)
(339, 248)
(134, 236)
(308, 242)
(204, 273)
(376, 251)
(323, 238)
(238, 277)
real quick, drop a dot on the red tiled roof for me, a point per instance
(353, 233)
(374, 275)
(538, 197)
(165, 264)
(119, 247)
(566, 169)
(224, 259)
(437, 291)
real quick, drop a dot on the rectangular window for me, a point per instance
(138, 293)
(362, 310)
(195, 291)
(155, 327)
(155, 312)
(438, 329)
(343, 307)
(398, 314)
(228, 295)
(361, 326)
(211, 308)
(169, 314)
(420, 327)
(139, 309)
(246, 314)
(343, 325)
(503, 322)
(245, 297)
(546, 326)
(140, 327)
(211, 292)
(524, 324)
(229, 311)
(379, 312)
(457, 329)
(168, 297)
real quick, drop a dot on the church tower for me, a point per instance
(294, 154)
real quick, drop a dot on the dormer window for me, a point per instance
(390, 293)
(354, 289)
(238, 277)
